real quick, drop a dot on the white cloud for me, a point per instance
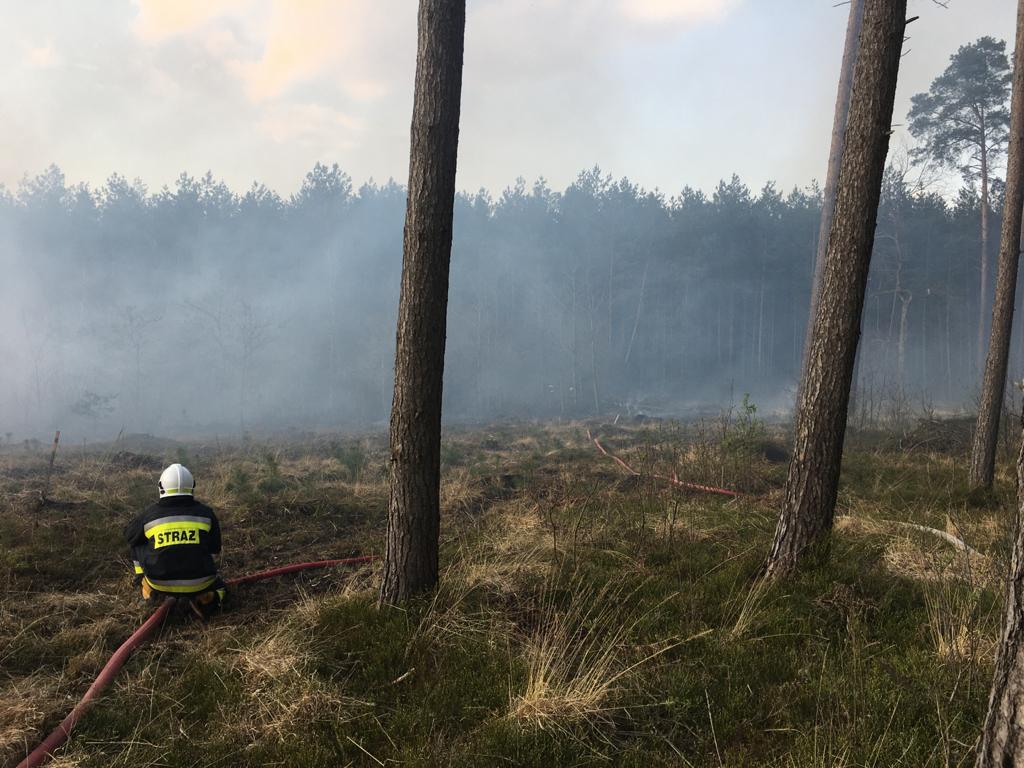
(291, 42)
(302, 41)
(159, 19)
(354, 42)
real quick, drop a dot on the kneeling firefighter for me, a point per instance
(173, 544)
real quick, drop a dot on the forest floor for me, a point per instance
(585, 616)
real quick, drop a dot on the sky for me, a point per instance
(666, 92)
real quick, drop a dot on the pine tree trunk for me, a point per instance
(983, 278)
(835, 156)
(805, 521)
(901, 348)
(993, 386)
(410, 561)
(1003, 735)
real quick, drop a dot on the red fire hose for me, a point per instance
(674, 480)
(62, 732)
(299, 567)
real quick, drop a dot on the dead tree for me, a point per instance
(835, 155)
(986, 432)
(410, 560)
(805, 521)
(1002, 737)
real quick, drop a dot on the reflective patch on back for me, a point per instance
(176, 529)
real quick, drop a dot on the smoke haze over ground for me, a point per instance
(197, 309)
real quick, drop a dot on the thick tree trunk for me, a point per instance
(410, 561)
(835, 156)
(805, 521)
(1002, 736)
(983, 451)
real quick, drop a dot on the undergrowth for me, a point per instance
(584, 616)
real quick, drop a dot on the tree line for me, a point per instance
(602, 297)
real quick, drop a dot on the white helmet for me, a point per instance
(176, 480)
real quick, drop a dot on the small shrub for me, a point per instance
(747, 435)
(272, 482)
(239, 481)
(353, 457)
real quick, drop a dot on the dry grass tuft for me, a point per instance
(284, 695)
(24, 704)
(459, 491)
(959, 628)
(514, 527)
(752, 608)
(448, 619)
(579, 654)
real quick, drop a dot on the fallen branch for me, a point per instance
(959, 543)
(877, 526)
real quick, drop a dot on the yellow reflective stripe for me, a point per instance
(178, 491)
(199, 586)
(201, 520)
(138, 568)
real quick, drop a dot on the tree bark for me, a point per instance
(1002, 738)
(993, 386)
(983, 278)
(835, 155)
(410, 560)
(805, 521)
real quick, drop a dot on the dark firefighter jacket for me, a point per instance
(173, 544)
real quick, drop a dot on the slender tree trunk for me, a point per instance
(718, 345)
(901, 348)
(835, 155)
(410, 560)
(1002, 738)
(636, 315)
(983, 451)
(949, 345)
(760, 323)
(575, 350)
(593, 351)
(805, 521)
(983, 279)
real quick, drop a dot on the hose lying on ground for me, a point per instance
(674, 480)
(62, 732)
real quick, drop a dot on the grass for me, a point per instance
(584, 617)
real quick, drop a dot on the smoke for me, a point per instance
(197, 309)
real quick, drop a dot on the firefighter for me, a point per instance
(173, 544)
